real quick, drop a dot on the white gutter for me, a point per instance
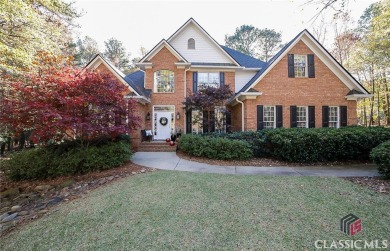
(242, 114)
(358, 96)
(217, 67)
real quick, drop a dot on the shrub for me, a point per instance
(66, 159)
(381, 156)
(215, 147)
(313, 144)
(325, 144)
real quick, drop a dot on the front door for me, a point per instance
(163, 122)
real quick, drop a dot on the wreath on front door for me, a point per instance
(163, 121)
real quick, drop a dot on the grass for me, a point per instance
(189, 211)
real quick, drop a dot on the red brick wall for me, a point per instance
(165, 60)
(140, 110)
(323, 90)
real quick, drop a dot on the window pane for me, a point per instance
(220, 119)
(208, 80)
(333, 116)
(164, 81)
(301, 116)
(191, 43)
(197, 117)
(269, 116)
(300, 65)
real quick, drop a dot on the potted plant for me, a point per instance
(173, 136)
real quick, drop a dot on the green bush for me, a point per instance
(324, 144)
(66, 159)
(381, 156)
(215, 147)
(314, 144)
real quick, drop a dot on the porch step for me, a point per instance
(156, 146)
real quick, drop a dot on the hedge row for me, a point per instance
(313, 144)
(66, 159)
(381, 156)
(215, 148)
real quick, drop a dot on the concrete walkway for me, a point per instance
(170, 161)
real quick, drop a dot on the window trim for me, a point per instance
(155, 84)
(306, 66)
(264, 115)
(337, 117)
(306, 119)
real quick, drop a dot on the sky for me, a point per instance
(145, 23)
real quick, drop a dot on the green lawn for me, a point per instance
(189, 211)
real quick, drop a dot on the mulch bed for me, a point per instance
(24, 201)
(374, 183)
(264, 162)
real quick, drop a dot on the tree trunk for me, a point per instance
(386, 109)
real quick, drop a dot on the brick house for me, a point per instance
(301, 86)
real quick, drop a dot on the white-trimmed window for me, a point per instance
(206, 79)
(269, 118)
(334, 116)
(197, 121)
(164, 81)
(191, 44)
(220, 119)
(300, 65)
(302, 117)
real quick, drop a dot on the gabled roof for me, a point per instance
(192, 21)
(137, 79)
(118, 73)
(322, 53)
(163, 43)
(243, 59)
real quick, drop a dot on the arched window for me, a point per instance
(191, 44)
(164, 81)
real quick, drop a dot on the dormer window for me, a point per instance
(191, 44)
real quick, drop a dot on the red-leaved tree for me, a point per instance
(64, 103)
(206, 100)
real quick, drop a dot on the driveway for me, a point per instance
(170, 161)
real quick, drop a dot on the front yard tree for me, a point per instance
(29, 26)
(207, 100)
(64, 103)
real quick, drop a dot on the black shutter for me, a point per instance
(189, 121)
(291, 66)
(228, 121)
(222, 78)
(279, 116)
(205, 125)
(195, 81)
(260, 119)
(293, 116)
(310, 63)
(312, 117)
(325, 116)
(343, 116)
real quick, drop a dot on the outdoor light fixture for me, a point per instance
(147, 116)
(178, 115)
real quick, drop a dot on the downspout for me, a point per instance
(242, 114)
(185, 95)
